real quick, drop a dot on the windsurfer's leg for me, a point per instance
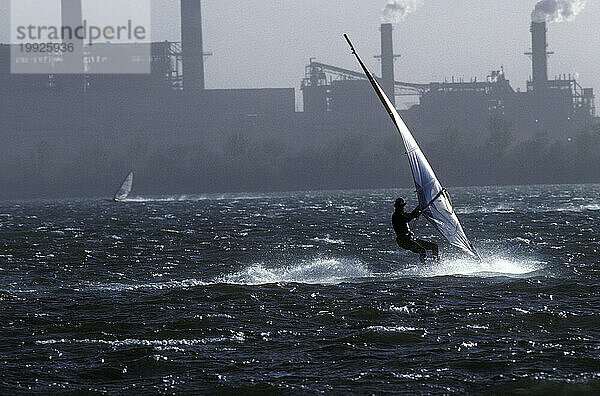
(413, 246)
(430, 246)
(421, 250)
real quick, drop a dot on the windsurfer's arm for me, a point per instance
(415, 213)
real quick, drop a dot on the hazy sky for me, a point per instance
(266, 43)
(261, 43)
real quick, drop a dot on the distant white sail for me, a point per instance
(434, 201)
(125, 188)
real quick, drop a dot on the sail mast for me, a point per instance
(384, 100)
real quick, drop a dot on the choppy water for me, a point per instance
(299, 292)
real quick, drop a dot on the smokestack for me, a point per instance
(191, 42)
(539, 55)
(387, 61)
(72, 16)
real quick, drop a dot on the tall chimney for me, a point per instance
(539, 55)
(191, 42)
(72, 17)
(387, 61)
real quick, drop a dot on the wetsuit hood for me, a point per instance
(399, 204)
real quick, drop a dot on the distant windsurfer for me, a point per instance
(404, 236)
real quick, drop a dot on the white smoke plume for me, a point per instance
(396, 10)
(557, 10)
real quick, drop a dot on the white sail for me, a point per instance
(125, 188)
(434, 201)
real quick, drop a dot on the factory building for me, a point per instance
(173, 89)
(555, 108)
(174, 93)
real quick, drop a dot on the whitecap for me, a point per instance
(157, 344)
(404, 309)
(330, 240)
(162, 199)
(413, 376)
(501, 208)
(469, 267)
(479, 327)
(393, 329)
(196, 198)
(569, 208)
(181, 284)
(317, 271)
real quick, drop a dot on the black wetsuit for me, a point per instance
(406, 239)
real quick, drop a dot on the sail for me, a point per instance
(434, 201)
(125, 189)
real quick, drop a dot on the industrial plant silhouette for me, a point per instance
(68, 134)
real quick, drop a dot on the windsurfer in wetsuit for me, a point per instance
(404, 237)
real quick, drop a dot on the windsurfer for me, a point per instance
(404, 236)
(434, 201)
